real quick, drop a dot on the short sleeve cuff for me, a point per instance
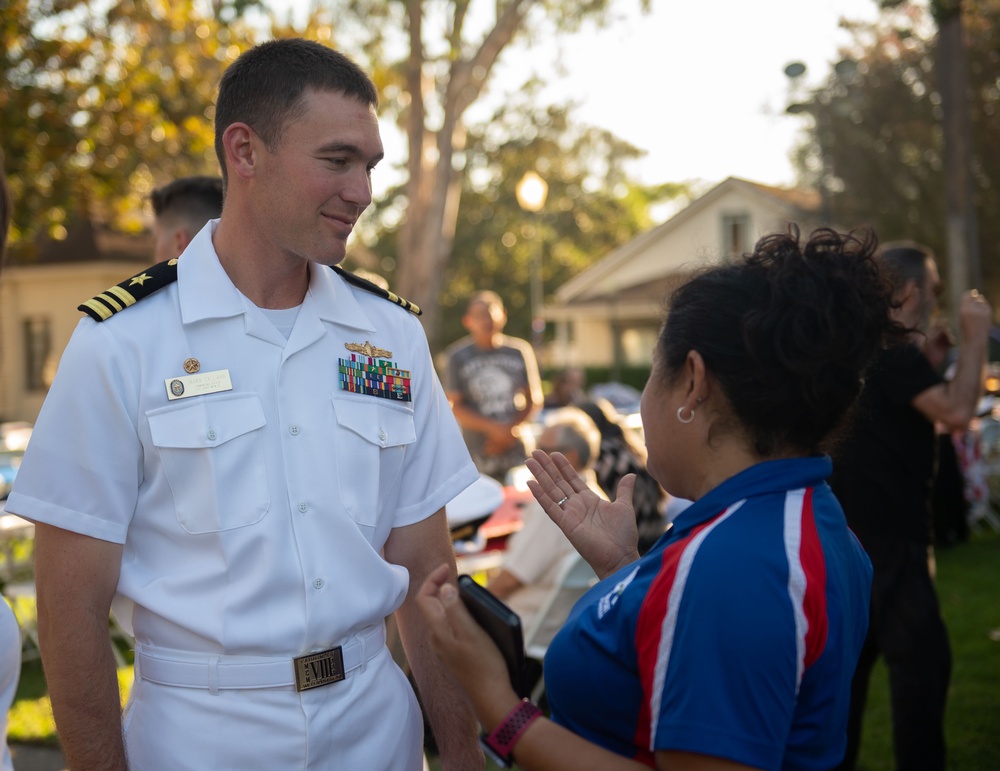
(36, 510)
(417, 512)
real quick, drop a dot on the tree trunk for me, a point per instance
(434, 189)
(964, 271)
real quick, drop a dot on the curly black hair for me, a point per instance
(788, 331)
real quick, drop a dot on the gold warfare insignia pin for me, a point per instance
(368, 350)
(191, 365)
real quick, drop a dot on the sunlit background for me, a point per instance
(699, 86)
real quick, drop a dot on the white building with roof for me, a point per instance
(610, 314)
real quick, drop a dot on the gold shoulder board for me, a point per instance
(130, 291)
(368, 286)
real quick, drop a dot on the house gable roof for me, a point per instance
(601, 278)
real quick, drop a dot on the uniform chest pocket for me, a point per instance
(212, 453)
(371, 445)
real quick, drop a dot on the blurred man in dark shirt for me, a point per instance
(883, 476)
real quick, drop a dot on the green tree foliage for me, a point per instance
(592, 207)
(102, 101)
(876, 144)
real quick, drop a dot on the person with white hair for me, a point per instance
(534, 553)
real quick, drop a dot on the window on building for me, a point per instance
(37, 350)
(735, 234)
(637, 345)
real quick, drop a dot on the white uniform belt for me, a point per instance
(244, 672)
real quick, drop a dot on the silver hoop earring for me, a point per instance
(681, 419)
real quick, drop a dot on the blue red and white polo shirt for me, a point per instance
(735, 636)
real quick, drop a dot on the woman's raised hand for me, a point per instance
(603, 532)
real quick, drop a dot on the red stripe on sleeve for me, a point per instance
(814, 567)
(649, 632)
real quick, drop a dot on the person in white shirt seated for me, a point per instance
(534, 553)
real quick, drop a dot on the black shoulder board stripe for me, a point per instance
(385, 294)
(130, 291)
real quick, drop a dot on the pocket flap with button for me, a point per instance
(212, 454)
(370, 452)
(206, 423)
(385, 425)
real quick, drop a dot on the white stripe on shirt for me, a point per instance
(670, 618)
(794, 501)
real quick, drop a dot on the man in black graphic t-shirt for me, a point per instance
(493, 386)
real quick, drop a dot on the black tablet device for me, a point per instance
(501, 623)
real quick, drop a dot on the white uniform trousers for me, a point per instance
(370, 721)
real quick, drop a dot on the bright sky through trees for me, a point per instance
(699, 85)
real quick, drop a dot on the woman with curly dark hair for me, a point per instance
(731, 643)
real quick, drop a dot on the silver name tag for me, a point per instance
(316, 669)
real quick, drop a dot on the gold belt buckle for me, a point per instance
(317, 669)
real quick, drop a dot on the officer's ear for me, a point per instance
(241, 147)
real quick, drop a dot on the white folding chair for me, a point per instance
(573, 579)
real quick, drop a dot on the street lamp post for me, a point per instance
(531, 193)
(797, 106)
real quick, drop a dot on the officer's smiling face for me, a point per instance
(313, 186)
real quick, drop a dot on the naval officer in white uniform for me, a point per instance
(251, 464)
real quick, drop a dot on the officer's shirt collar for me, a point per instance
(206, 292)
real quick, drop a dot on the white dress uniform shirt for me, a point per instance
(252, 519)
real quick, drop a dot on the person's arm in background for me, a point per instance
(530, 553)
(420, 548)
(531, 392)
(528, 401)
(76, 579)
(467, 416)
(499, 436)
(953, 404)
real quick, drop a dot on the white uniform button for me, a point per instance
(381, 434)
(294, 430)
(318, 583)
(303, 507)
(211, 434)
